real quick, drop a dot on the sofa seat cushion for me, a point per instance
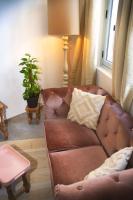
(64, 134)
(72, 165)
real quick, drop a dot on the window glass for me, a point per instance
(111, 18)
(112, 31)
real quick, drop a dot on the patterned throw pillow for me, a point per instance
(85, 108)
(117, 162)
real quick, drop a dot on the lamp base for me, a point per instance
(65, 70)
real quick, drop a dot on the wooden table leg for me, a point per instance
(37, 116)
(26, 183)
(6, 135)
(29, 117)
(5, 132)
(33, 111)
(11, 196)
(3, 126)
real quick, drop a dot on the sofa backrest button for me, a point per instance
(79, 187)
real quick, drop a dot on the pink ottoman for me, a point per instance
(13, 166)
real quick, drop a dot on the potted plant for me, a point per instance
(30, 81)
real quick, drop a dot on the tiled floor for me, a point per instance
(19, 128)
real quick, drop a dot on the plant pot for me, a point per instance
(32, 101)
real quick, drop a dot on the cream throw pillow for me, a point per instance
(117, 162)
(85, 108)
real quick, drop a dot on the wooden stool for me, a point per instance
(31, 111)
(3, 128)
(13, 166)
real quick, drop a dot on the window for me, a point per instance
(110, 17)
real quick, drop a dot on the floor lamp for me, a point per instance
(63, 20)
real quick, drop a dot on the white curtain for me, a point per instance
(127, 79)
(94, 18)
(88, 46)
(122, 75)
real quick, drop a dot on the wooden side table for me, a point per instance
(31, 111)
(11, 158)
(3, 128)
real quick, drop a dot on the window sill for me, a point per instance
(104, 79)
(105, 70)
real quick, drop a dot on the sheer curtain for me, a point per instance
(127, 79)
(122, 75)
(76, 65)
(87, 52)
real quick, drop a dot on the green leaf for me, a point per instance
(34, 60)
(22, 63)
(33, 66)
(22, 71)
(24, 59)
(27, 54)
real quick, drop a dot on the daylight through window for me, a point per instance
(111, 17)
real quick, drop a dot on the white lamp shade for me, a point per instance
(63, 17)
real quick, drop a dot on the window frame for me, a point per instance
(108, 15)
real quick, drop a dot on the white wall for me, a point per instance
(23, 29)
(104, 79)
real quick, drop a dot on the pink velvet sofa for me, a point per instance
(75, 150)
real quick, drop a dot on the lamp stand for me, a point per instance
(65, 70)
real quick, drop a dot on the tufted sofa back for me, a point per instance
(115, 127)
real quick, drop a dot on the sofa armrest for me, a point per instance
(113, 187)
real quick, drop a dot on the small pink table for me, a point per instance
(13, 166)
